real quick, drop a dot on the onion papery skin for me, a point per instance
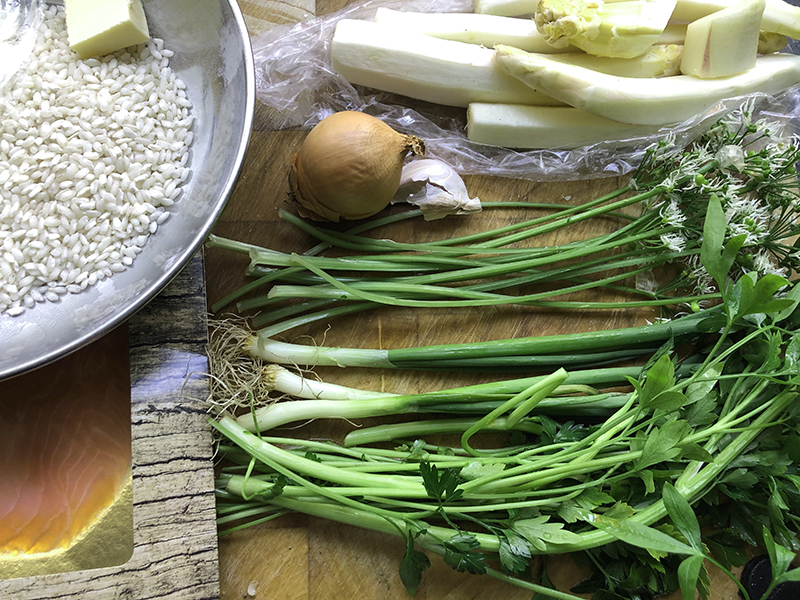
(349, 167)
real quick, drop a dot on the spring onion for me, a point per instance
(578, 493)
(671, 189)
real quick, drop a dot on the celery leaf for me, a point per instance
(514, 552)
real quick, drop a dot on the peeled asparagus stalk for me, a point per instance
(472, 28)
(659, 61)
(490, 30)
(538, 127)
(723, 43)
(506, 8)
(423, 67)
(644, 101)
(457, 73)
(779, 16)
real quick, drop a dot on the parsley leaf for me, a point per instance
(514, 552)
(273, 491)
(413, 564)
(458, 554)
(440, 484)
(662, 444)
(540, 533)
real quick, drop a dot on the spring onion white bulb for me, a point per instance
(349, 167)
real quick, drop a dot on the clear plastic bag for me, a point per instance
(295, 80)
(19, 22)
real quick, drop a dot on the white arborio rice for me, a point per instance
(92, 155)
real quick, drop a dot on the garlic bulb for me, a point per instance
(436, 189)
(349, 166)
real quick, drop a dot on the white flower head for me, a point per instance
(671, 180)
(691, 163)
(746, 215)
(696, 272)
(776, 135)
(764, 264)
(671, 213)
(674, 242)
(738, 121)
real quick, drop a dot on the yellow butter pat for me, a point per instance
(98, 27)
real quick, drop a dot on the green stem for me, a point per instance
(417, 429)
(521, 404)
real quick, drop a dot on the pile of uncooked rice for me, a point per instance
(92, 155)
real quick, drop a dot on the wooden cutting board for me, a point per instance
(304, 558)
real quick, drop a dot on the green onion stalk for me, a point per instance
(736, 161)
(574, 392)
(672, 445)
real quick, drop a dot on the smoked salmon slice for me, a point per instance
(65, 446)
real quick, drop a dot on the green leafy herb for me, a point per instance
(625, 466)
(637, 534)
(663, 443)
(460, 555)
(682, 515)
(440, 483)
(514, 552)
(413, 564)
(540, 533)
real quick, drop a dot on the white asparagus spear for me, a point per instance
(472, 28)
(539, 127)
(423, 67)
(644, 101)
(453, 73)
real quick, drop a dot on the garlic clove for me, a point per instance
(435, 188)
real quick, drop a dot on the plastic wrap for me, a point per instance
(19, 22)
(295, 80)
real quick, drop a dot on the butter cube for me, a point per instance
(98, 27)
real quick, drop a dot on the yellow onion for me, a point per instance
(349, 166)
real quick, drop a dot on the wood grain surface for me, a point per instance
(305, 558)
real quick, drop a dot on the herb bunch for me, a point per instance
(635, 481)
(638, 484)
